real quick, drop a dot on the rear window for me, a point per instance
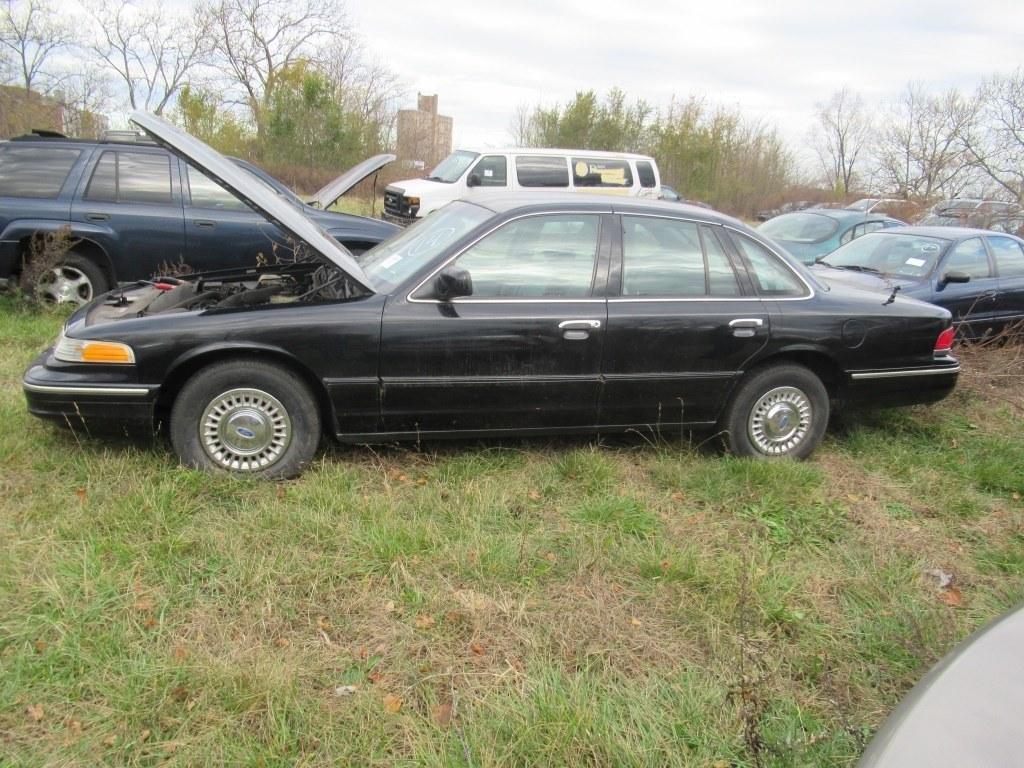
(34, 171)
(799, 227)
(542, 171)
(587, 172)
(645, 171)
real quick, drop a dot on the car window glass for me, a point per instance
(492, 171)
(661, 257)
(970, 258)
(34, 171)
(536, 257)
(589, 172)
(542, 171)
(143, 178)
(799, 227)
(849, 235)
(645, 172)
(721, 276)
(206, 193)
(103, 184)
(1009, 256)
(771, 277)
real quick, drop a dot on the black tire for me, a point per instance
(73, 267)
(758, 422)
(260, 419)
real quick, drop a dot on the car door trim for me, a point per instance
(894, 374)
(58, 389)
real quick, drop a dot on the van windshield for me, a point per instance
(452, 167)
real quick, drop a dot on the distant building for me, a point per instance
(22, 111)
(424, 137)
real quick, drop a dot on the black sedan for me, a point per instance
(504, 316)
(976, 274)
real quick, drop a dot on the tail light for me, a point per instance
(945, 341)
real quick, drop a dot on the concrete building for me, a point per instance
(424, 137)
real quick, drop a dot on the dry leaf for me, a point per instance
(720, 764)
(40, 645)
(952, 597)
(379, 649)
(678, 496)
(1015, 496)
(144, 604)
(636, 622)
(144, 735)
(75, 727)
(533, 495)
(180, 653)
(392, 703)
(110, 741)
(442, 714)
(190, 705)
(477, 649)
(80, 493)
(421, 480)
(551, 557)
(179, 693)
(323, 624)
(345, 690)
(149, 623)
(282, 642)
(425, 621)
(389, 606)
(280, 492)
(375, 677)
(35, 712)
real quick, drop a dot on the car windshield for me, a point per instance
(452, 167)
(890, 254)
(800, 227)
(397, 259)
(864, 204)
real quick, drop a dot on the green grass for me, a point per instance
(536, 603)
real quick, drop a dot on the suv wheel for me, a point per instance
(76, 280)
(246, 416)
(778, 412)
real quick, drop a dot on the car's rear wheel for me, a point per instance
(76, 279)
(246, 416)
(777, 412)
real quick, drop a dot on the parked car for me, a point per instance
(814, 232)
(670, 194)
(870, 204)
(976, 274)
(790, 207)
(465, 173)
(965, 711)
(504, 315)
(132, 208)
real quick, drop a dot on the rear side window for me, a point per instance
(672, 258)
(772, 278)
(542, 171)
(1009, 256)
(645, 171)
(37, 172)
(492, 171)
(131, 177)
(588, 172)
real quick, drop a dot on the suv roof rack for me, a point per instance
(122, 137)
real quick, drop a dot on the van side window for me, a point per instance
(589, 172)
(542, 171)
(492, 171)
(645, 172)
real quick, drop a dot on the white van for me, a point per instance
(464, 172)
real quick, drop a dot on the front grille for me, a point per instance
(395, 204)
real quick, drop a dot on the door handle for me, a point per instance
(578, 330)
(204, 223)
(745, 327)
(97, 217)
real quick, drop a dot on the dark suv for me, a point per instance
(134, 210)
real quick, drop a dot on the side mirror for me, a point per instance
(473, 180)
(955, 276)
(451, 283)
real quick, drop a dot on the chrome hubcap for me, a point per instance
(245, 429)
(780, 420)
(65, 284)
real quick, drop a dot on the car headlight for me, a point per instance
(87, 351)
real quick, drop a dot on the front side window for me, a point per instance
(671, 258)
(1009, 256)
(588, 172)
(491, 171)
(206, 193)
(645, 171)
(771, 277)
(37, 172)
(970, 258)
(539, 257)
(131, 177)
(542, 171)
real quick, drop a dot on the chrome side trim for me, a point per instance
(57, 389)
(898, 374)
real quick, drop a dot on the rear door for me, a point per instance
(133, 192)
(682, 327)
(1009, 258)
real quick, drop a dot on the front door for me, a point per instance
(521, 352)
(683, 326)
(973, 303)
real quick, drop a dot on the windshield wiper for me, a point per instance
(434, 178)
(853, 268)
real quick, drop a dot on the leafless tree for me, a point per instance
(365, 87)
(841, 137)
(995, 138)
(86, 97)
(33, 31)
(254, 40)
(151, 48)
(919, 152)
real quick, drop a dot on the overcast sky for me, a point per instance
(775, 60)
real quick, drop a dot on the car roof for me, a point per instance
(841, 215)
(945, 233)
(554, 151)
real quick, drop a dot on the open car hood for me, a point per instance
(331, 191)
(233, 178)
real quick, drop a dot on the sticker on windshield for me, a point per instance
(488, 172)
(915, 262)
(391, 260)
(929, 248)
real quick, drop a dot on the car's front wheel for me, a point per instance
(777, 412)
(246, 416)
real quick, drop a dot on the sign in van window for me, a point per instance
(587, 172)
